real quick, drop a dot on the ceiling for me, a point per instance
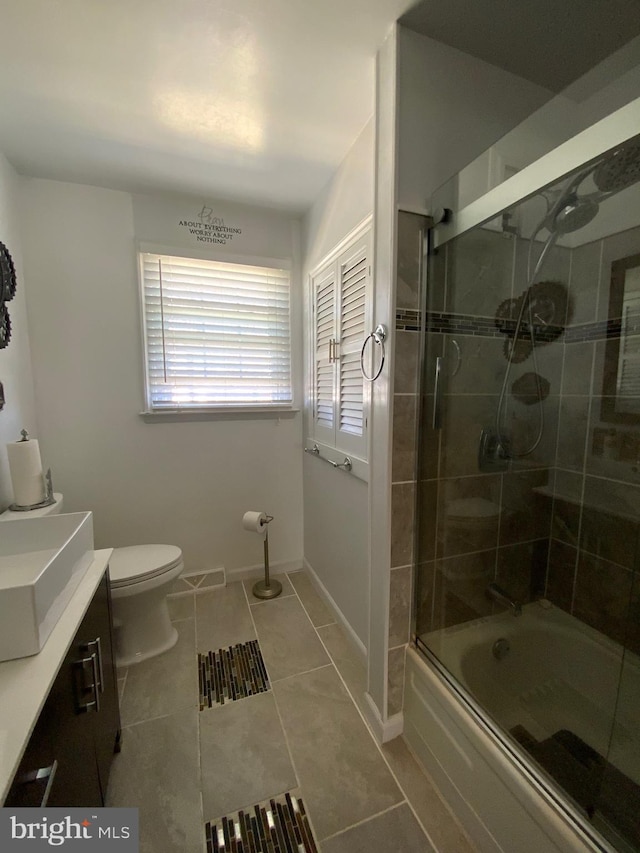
(250, 100)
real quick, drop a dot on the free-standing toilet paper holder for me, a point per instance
(267, 588)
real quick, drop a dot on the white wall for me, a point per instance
(182, 483)
(15, 359)
(451, 107)
(336, 504)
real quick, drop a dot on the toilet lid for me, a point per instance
(141, 562)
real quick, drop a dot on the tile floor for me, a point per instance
(181, 766)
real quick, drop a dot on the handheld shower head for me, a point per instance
(571, 214)
(616, 172)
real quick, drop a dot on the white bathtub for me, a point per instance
(558, 674)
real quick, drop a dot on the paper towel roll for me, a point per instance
(256, 522)
(25, 467)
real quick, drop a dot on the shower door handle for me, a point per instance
(437, 395)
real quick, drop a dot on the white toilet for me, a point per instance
(139, 577)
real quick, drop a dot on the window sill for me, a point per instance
(244, 414)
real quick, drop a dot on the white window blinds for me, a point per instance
(217, 334)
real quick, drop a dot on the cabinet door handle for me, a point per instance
(47, 773)
(96, 677)
(98, 650)
(95, 703)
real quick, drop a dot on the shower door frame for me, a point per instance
(580, 150)
(583, 149)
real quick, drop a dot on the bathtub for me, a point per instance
(557, 674)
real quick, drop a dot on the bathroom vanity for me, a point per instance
(59, 713)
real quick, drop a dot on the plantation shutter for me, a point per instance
(324, 368)
(217, 334)
(341, 292)
(354, 278)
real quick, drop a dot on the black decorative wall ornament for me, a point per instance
(530, 388)
(538, 316)
(7, 292)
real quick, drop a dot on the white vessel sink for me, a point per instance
(42, 561)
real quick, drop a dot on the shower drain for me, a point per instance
(501, 648)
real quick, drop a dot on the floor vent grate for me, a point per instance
(230, 674)
(279, 825)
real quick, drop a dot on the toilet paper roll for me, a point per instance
(256, 522)
(25, 467)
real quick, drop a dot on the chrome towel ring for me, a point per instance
(379, 335)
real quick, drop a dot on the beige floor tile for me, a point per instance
(165, 683)
(444, 830)
(288, 641)
(318, 611)
(244, 755)
(181, 607)
(157, 772)
(395, 831)
(223, 618)
(347, 661)
(341, 771)
(287, 589)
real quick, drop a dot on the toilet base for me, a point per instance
(143, 627)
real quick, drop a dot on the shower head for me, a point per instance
(571, 214)
(619, 170)
(614, 173)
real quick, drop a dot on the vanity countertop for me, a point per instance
(25, 682)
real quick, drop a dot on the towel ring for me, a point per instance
(379, 334)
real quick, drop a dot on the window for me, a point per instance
(217, 334)
(341, 296)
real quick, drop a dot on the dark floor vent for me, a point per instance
(279, 825)
(230, 674)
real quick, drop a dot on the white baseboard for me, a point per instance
(248, 572)
(383, 730)
(358, 645)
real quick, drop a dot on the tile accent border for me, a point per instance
(275, 826)
(231, 674)
(468, 324)
(408, 320)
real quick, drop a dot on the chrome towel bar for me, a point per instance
(315, 451)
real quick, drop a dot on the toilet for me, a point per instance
(140, 576)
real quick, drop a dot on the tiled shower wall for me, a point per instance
(491, 521)
(562, 521)
(596, 508)
(405, 407)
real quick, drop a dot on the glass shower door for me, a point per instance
(529, 487)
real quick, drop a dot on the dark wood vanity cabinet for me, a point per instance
(68, 757)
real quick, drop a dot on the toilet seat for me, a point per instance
(138, 563)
